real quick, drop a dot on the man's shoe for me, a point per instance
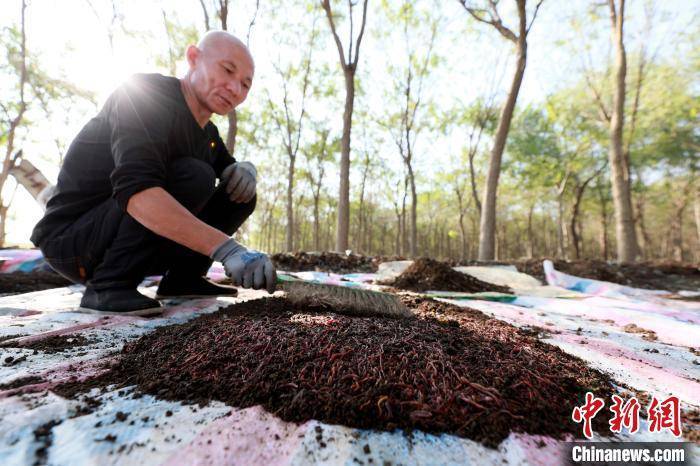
(122, 301)
(173, 286)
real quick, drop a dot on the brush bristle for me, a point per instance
(345, 300)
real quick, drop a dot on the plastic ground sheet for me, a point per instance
(645, 341)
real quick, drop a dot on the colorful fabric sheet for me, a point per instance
(21, 260)
(640, 338)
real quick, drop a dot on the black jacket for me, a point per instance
(126, 148)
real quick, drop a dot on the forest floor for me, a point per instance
(660, 275)
(25, 282)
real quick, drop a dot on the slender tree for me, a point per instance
(349, 66)
(318, 154)
(290, 125)
(490, 15)
(14, 121)
(627, 249)
(579, 189)
(404, 123)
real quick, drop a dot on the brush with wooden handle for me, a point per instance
(342, 299)
(245, 265)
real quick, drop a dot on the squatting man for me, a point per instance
(137, 194)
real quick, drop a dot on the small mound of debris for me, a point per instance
(25, 282)
(655, 275)
(428, 274)
(11, 337)
(451, 370)
(329, 262)
(21, 382)
(52, 344)
(648, 335)
(44, 437)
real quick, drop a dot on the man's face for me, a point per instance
(222, 76)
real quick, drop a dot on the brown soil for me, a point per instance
(648, 275)
(25, 282)
(44, 436)
(53, 344)
(11, 337)
(328, 262)
(451, 370)
(428, 274)
(21, 382)
(648, 335)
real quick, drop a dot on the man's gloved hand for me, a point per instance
(239, 181)
(246, 267)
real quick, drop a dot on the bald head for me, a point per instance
(214, 41)
(220, 74)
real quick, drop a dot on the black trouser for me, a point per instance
(107, 248)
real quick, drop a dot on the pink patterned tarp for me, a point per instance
(591, 327)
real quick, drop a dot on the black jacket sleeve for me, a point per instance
(140, 120)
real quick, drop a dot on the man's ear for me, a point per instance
(192, 54)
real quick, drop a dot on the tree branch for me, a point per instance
(493, 19)
(252, 22)
(326, 4)
(305, 84)
(350, 5)
(359, 37)
(534, 15)
(613, 13)
(605, 115)
(206, 14)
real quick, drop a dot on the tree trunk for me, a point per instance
(487, 227)
(561, 228)
(398, 231)
(472, 181)
(473, 246)
(361, 210)
(677, 231)
(414, 213)
(298, 232)
(329, 233)
(382, 242)
(576, 239)
(696, 208)
(530, 233)
(341, 243)
(232, 131)
(317, 239)
(644, 237)
(274, 237)
(369, 229)
(404, 237)
(603, 238)
(627, 248)
(290, 206)
(463, 235)
(15, 123)
(349, 69)
(3, 218)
